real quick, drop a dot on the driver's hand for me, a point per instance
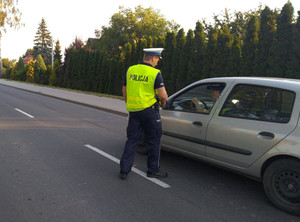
(195, 100)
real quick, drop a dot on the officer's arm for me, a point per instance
(162, 93)
(124, 93)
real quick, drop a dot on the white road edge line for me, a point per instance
(137, 171)
(26, 114)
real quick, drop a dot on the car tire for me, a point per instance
(142, 146)
(281, 182)
(142, 149)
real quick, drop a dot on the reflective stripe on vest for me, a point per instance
(140, 87)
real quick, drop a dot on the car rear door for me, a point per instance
(250, 122)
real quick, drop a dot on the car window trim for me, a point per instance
(268, 103)
(169, 102)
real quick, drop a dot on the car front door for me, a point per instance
(186, 116)
(251, 121)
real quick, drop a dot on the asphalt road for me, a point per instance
(59, 162)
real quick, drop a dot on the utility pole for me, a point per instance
(0, 56)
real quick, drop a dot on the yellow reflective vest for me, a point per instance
(140, 90)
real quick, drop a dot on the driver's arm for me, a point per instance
(198, 107)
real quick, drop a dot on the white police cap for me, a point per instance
(153, 51)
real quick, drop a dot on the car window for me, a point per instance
(260, 103)
(198, 99)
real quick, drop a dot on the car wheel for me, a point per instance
(281, 182)
(142, 149)
(142, 146)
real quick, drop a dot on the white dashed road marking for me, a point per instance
(137, 171)
(26, 114)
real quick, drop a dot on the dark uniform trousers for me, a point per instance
(148, 120)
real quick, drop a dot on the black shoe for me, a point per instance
(159, 174)
(123, 176)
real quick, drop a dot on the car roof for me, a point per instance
(291, 84)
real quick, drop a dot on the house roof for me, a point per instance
(26, 59)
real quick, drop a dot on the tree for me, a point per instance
(128, 25)
(28, 52)
(9, 16)
(67, 66)
(43, 42)
(184, 70)
(57, 77)
(282, 48)
(250, 45)
(234, 65)
(294, 65)
(7, 67)
(40, 71)
(57, 52)
(20, 70)
(177, 57)
(225, 42)
(7, 64)
(211, 58)
(266, 36)
(240, 45)
(30, 71)
(52, 77)
(196, 65)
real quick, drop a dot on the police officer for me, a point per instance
(141, 85)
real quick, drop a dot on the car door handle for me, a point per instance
(197, 123)
(267, 134)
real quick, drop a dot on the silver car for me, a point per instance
(248, 125)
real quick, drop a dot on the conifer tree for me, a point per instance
(118, 77)
(109, 81)
(85, 74)
(127, 55)
(167, 55)
(211, 58)
(177, 57)
(150, 42)
(230, 48)
(266, 36)
(225, 41)
(234, 66)
(142, 43)
(101, 72)
(57, 69)
(250, 45)
(282, 49)
(196, 66)
(20, 70)
(185, 62)
(43, 42)
(66, 67)
(40, 71)
(160, 43)
(30, 71)
(294, 64)
(134, 52)
(92, 69)
(55, 74)
(57, 52)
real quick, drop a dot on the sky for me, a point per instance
(68, 19)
